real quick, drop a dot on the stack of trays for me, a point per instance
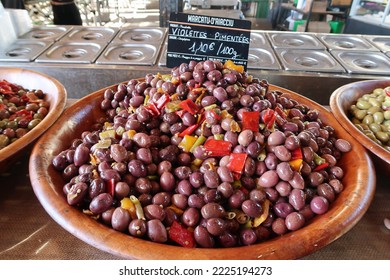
(134, 46)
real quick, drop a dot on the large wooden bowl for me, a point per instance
(55, 95)
(343, 214)
(340, 102)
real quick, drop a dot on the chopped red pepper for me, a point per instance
(181, 235)
(8, 88)
(269, 117)
(250, 120)
(236, 164)
(189, 130)
(152, 108)
(25, 114)
(296, 154)
(189, 106)
(281, 112)
(217, 148)
(164, 99)
(111, 187)
(321, 166)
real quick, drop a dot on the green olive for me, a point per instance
(374, 102)
(386, 115)
(4, 141)
(378, 117)
(375, 127)
(12, 124)
(378, 91)
(363, 104)
(33, 123)
(360, 114)
(373, 109)
(368, 119)
(382, 136)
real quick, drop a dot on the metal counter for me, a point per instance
(299, 70)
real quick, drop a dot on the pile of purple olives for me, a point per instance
(205, 156)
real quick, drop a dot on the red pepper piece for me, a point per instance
(296, 154)
(281, 113)
(181, 235)
(250, 120)
(25, 114)
(217, 148)
(164, 99)
(189, 106)
(236, 164)
(269, 117)
(152, 108)
(189, 130)
(321, 166)
(111, 187)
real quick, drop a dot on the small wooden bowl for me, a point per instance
(344, 212)
(55, 95)
(340, 102)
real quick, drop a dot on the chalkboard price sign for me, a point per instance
(201, 37)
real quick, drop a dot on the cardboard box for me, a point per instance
(316, 27)
(319, 6)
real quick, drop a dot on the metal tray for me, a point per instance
(359, 62)
(153, 35)
(53, 33)
(262, 58)
(163, 55)
(72, 52)
(129, 53)
(346, 42)
(381, 42)
(24, 50)
(308, 60)
(295, 41)
(259, 39)
(91, 34)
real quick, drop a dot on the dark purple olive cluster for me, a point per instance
(138, 172)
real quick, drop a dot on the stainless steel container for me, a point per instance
(295, 41)
(53, 33)
(308, 60)
(72, 52)
(154, 36)
(346, 42)
(360, 62)
(259, 39)
(163, 55)
(262, 58)
(128, 53)
(91, 34)
(381, 42)
(24, 50)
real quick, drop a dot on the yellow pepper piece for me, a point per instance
(127, 204)
(296, 164)
(232, 66)
(107, 134)
(258, 220)
(187, 142)
(138, 207)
